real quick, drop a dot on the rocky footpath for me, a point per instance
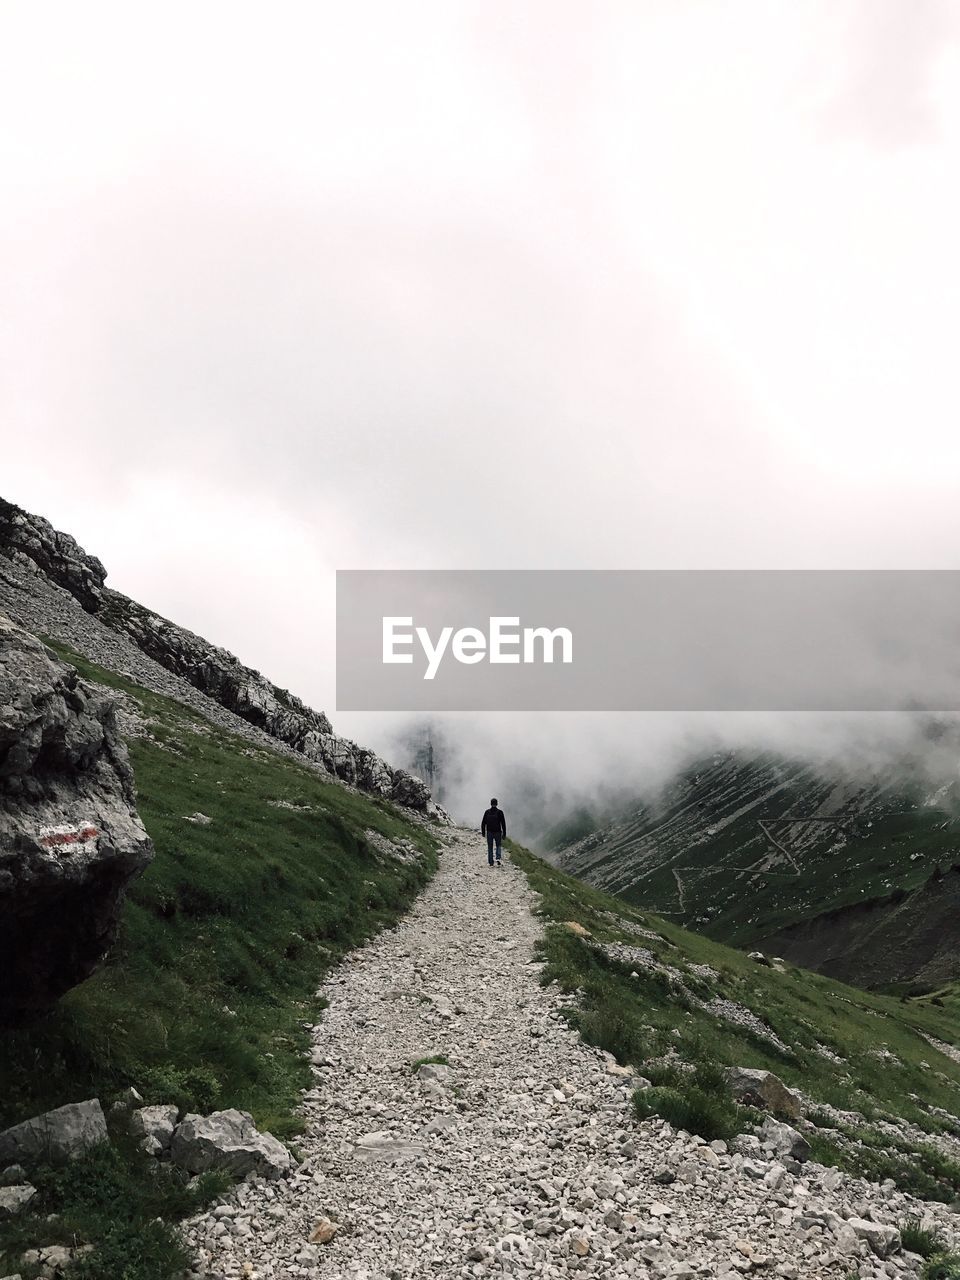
(70, 835)
(515, 1151)
(51, 586)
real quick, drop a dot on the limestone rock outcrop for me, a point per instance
(228, 1140)
(764, 1090)
(214, 671)
(55, 1136)
(222, 677)
(70, 835)
(32, 544)
(155, 1125)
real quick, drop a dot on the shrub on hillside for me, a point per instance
(688, 1107)
(944, 1267)
(925, 1172)
(711, 1077)
(608, 1029)
(119, 1200)
(918, 1239)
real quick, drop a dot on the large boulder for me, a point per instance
(881, 1238)
(783, 1140)
(55, 1136)
(70, 836)
(14, 1200)
(409, 790)
(384, 1147)
(764, 1090)
(228, 1140)
(157, 1123)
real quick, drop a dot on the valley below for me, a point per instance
(855, 874)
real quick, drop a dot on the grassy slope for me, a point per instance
(642, 1018)
(711, 833)
(208, 993)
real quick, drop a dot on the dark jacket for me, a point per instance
(494, 823)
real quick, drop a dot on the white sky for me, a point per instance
(293, 287)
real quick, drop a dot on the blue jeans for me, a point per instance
(491, 837)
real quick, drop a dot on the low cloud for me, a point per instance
(667, 286)
(543, 768)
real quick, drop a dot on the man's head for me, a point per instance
(493, 804)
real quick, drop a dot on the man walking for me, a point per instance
(494, 827)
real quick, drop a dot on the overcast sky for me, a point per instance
(294, 287)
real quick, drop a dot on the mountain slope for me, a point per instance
(880, 1076)
(749, 848)
(451, 1073)
(908, 940)
(264, 873)
(51, 586)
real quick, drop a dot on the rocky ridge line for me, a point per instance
(39, 566)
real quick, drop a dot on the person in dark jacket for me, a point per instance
(494, 827)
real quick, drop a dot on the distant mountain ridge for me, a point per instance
(758, 850)
(35, 557)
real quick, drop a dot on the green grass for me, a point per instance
(715, 826)
(650, 1015)
(944, 1267)
(698, 1103)
(918, 1169)
(688, 1108)
(115, 1196)
(208, 994)
(917, 1239)
(436, 1059)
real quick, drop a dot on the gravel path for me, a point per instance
(521, 1156)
